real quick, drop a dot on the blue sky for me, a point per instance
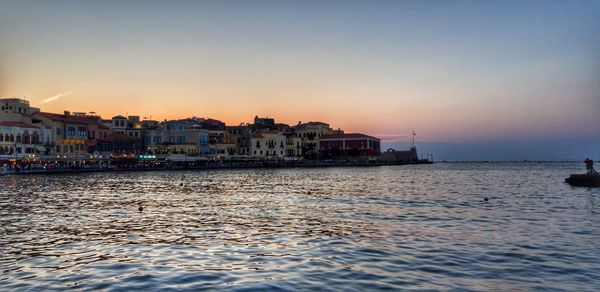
(458, 72)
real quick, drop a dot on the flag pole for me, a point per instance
(413, 136)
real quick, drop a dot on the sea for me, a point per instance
(446, 226)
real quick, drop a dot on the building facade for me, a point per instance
(197, 137)
(268, 144)
(309, 133)
(19, 141)
(348, 146)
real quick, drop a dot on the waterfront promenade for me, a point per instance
(210, 166)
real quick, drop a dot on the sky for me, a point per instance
(474, 79)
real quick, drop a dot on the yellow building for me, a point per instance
(293, 145)
(268, 144)
(309, 133)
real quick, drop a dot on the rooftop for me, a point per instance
(17, 124)
(347, 136)
(67, 119)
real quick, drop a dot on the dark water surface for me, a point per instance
(398, 227)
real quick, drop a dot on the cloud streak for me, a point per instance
(392, 137)
(53, 98)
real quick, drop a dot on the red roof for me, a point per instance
(346, 136)
(51, 116)
(68, 119)
(17, 124)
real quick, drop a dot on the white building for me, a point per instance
(19, 140)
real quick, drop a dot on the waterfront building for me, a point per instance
(227, 146)
(68, 133)
(394, 156)
(268, 143)
(96, 132)
(16, 110)
(242, 134)
(177, 136)
(19, 141)
(120, 145)
(263, 123)
(309, 133)
(293, 145)
(282, 127)
(118, 125)
(189, 149)
(211, 124)
(348, 146)
(216, 136)
(149, 124)
(129, 126)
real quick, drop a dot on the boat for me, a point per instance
(584, 180)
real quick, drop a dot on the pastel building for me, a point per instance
(128, 126)
(293, 145)
(162, 141)
(16, 110)
(19, 140)
(267, 143)
(309, 133)
(241, 134)
(68, 134)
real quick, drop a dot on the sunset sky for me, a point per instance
(457, 72)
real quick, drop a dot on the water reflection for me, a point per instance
(340, 228)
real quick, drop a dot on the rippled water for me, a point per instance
(399, 227)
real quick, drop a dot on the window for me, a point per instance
(59, 131)
(260, 152)
(71, 131)
(57, 149)
(258, 145)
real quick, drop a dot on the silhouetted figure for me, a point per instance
(140, 208)
(589, 166)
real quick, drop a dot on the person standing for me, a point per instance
(589, 165)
